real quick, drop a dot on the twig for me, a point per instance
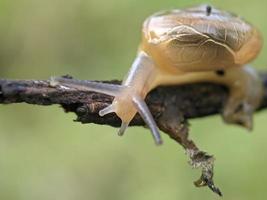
(171, 106)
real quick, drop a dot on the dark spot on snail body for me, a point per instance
(67, 76)
(220, 72)
(208, 10)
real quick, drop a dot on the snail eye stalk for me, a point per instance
(104, 88)
(148, 118)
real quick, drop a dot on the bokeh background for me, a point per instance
(46, 156)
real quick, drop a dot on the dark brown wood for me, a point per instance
(171, 107)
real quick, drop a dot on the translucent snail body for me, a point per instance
(198, 44)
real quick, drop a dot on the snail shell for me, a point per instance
(200, 39)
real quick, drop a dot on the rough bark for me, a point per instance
(171, 106)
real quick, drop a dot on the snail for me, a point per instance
(196, 44)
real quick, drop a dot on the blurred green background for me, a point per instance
(45, 156)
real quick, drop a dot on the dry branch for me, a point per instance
(171, 106)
